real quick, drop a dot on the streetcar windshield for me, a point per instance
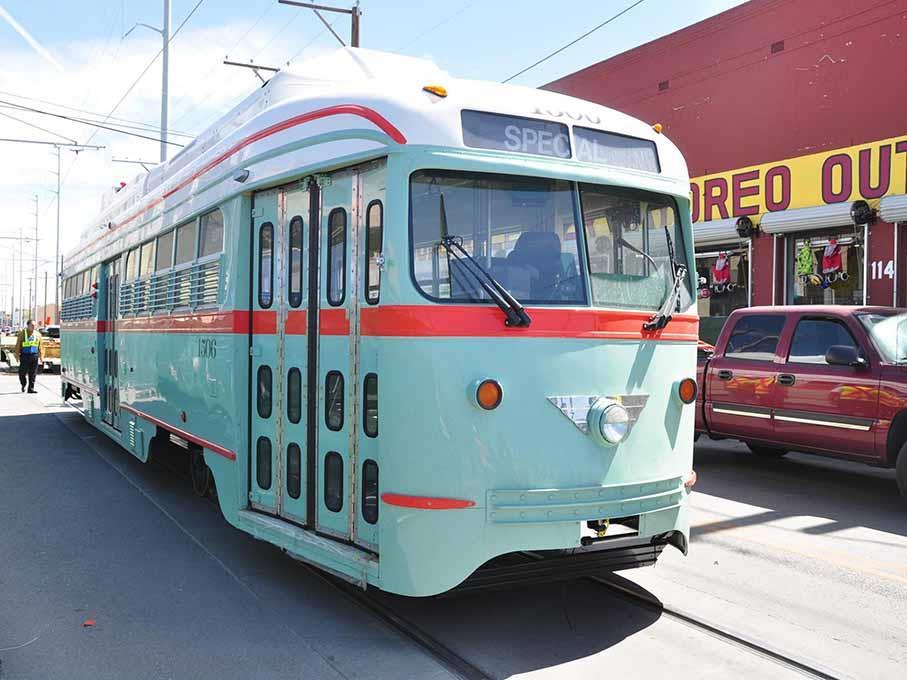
(521, 230)
(630, 236)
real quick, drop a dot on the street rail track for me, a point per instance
(465, 669)
(634, 596)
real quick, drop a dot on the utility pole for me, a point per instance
(35, 308)
(75, 148)
(165, 85)
(44, 317)
(355, 13)
(21, 281)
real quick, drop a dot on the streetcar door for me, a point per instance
(109, 359)
(279, 352)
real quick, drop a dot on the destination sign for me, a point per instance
(607, 148)
(501, 132)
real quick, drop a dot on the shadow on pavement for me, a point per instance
(848, 494)
(100, 547)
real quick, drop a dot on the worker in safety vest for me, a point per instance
(29, 352)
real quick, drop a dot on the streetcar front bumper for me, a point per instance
(512, 521)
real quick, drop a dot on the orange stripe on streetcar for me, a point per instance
(425, 502)
(472, 321)
(333, 322)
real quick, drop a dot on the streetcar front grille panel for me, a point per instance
(517, 506)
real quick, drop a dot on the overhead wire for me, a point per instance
(251, 28)
(443, 21)
(576, 40)
(38, 127)
(87, 122)
(150, 64)
(123, 122)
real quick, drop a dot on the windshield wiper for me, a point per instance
(513, 310)
(679, 272)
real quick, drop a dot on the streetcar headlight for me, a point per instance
(614, 423)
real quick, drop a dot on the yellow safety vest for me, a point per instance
(29, 342)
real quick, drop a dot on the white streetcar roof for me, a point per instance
(349, 89)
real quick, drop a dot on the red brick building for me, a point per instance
(788, 112)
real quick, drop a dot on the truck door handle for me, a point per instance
(786, 379)
(725, 374)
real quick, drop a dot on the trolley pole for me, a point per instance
(354, 12)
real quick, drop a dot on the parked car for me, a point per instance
(828, 380)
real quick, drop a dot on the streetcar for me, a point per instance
(417, 331)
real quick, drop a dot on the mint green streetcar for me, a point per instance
(418, 331)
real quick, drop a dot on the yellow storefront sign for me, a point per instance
(868, 171)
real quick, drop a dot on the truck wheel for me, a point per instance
(767, 452)
(901, 470)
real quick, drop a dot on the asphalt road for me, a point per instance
(805, 555)
(806, 552)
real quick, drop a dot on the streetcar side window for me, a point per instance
(295, 290)
(132, 264)
(212, 233)
(374, 229)
(264, 391)
(370, 491)
(294, 395)
(146, 258)
(370, 410)
(294, 470)
(336, 266)
(185, 243)
(164, 258)
(265, 266)
(333, 481)
(333, 400)
(263, 462)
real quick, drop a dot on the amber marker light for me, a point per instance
(489, 394)
(658, 127)
(686, 390)
(690, 481)
(437, 90)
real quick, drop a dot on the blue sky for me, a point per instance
(486, 39)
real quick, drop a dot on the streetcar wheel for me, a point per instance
(767, 452)
(901, 470)
(199, 472)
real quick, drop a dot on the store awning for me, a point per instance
(894, 208)
(715, 232)
(806, 219)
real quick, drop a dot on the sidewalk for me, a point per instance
(175, 594)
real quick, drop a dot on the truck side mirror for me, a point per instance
(844, 355)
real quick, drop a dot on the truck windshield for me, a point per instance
(627, 236)
(889, 334)
(521, 230)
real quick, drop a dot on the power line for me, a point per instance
(142, 74)
(90, 121)
(37, 127)
(435, 26)
(86, 122)
(573, 42)
(131, 123)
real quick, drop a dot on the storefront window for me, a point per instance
(826, 269)
(723, 280)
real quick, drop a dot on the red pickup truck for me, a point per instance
(829, 380)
